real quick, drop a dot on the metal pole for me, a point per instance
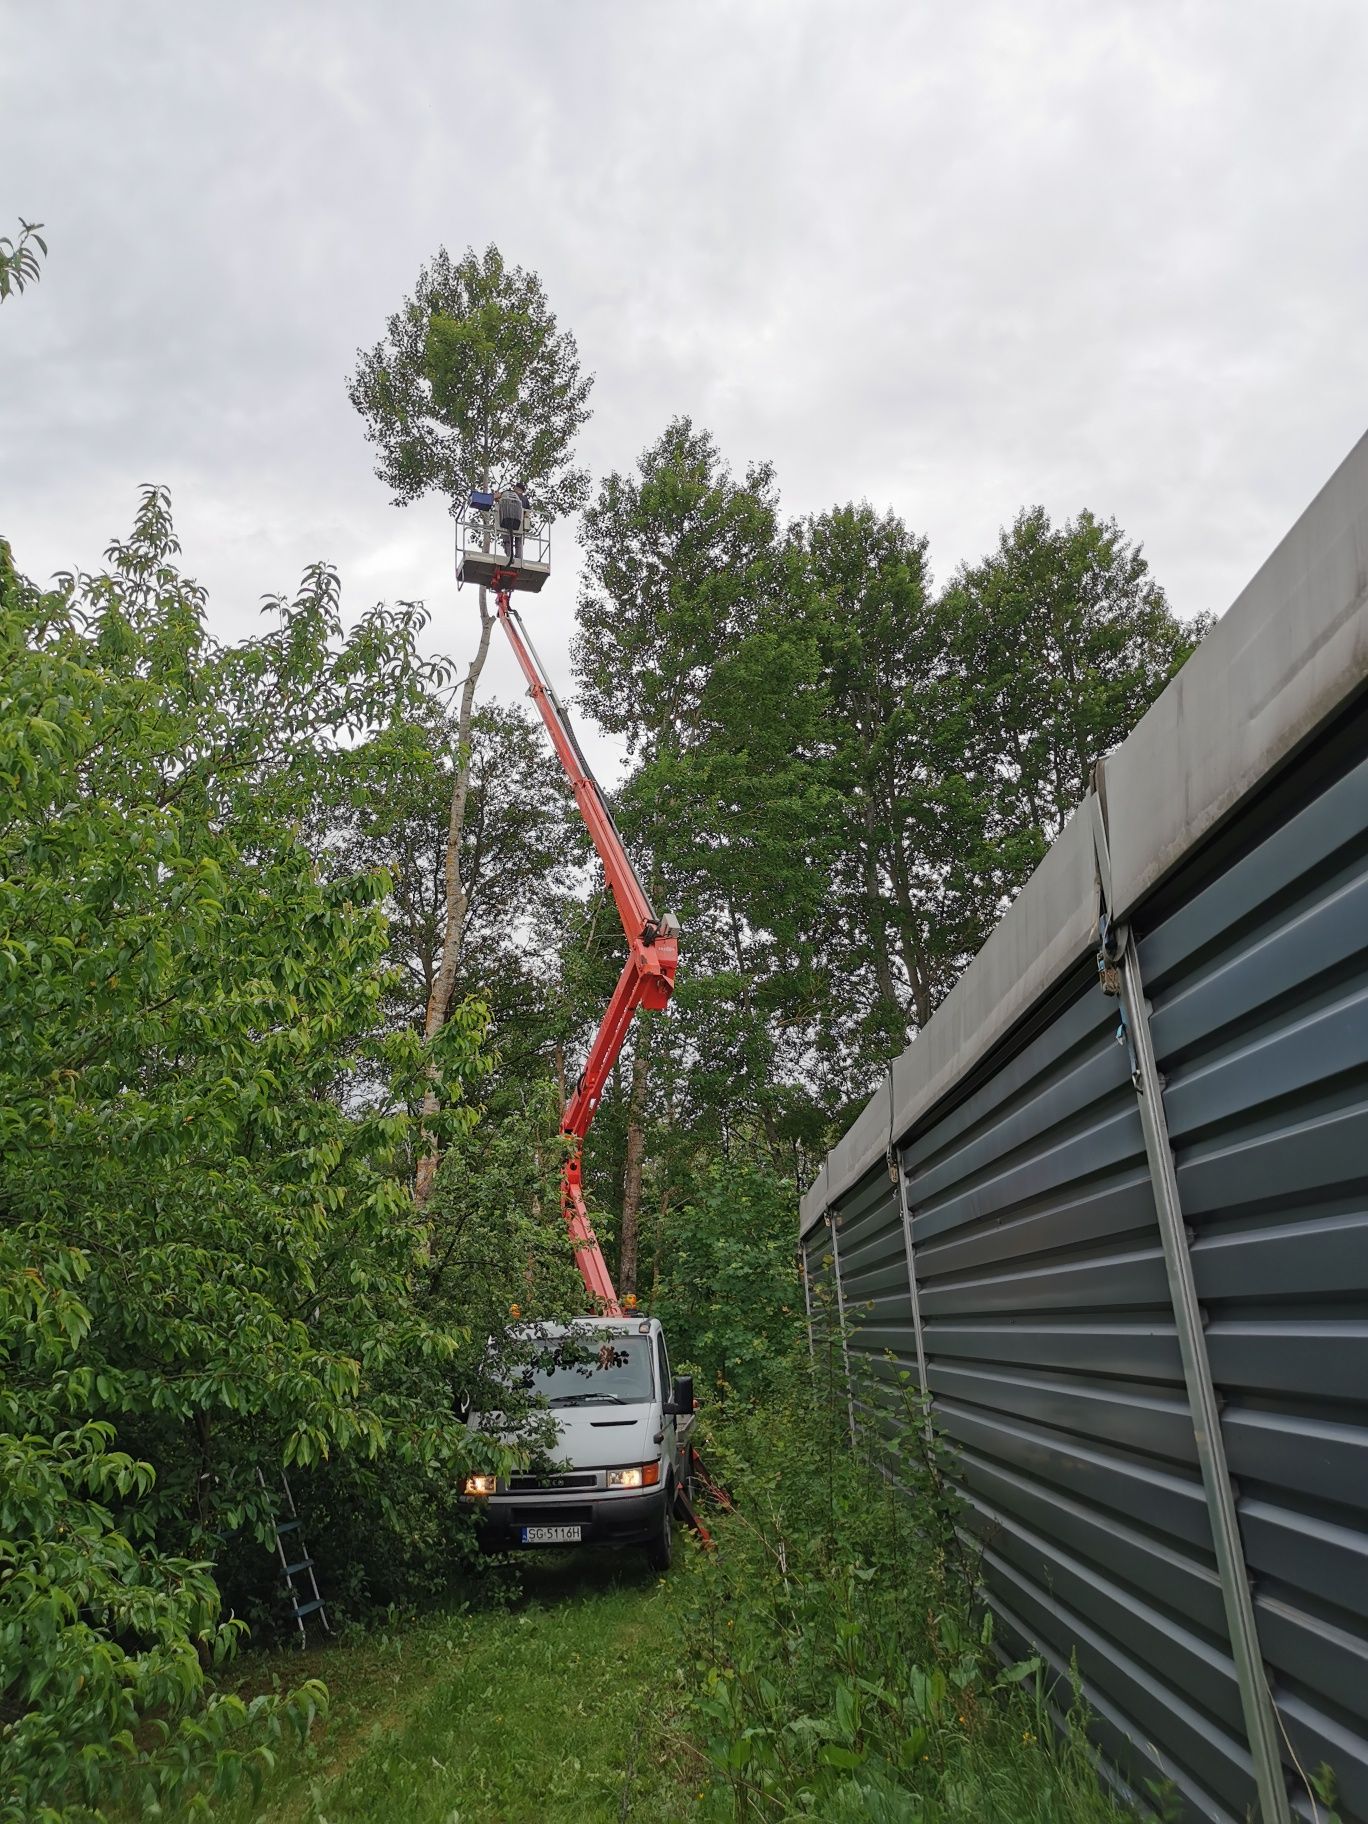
(807, 1302)
(916, 1297)
(1120, 974)
(1255, 1698)
(1120, 969)
(833, 1219)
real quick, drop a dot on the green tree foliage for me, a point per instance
(18, 262)
(388, 1527)
(679, 560)
(207, 1250)
(686, 646)
(474, 386)
(905, 911)
(729, 1292)
(522, 845)
(1066, 639)
(842, 776)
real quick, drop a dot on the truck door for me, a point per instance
(671, 1424)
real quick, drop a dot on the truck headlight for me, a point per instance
(643, 1475)
(478, 1485)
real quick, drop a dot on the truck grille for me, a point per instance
(551, 1516)
(527, 1485)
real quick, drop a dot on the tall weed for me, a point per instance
(837, 1663)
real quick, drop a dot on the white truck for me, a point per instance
(622, 1429)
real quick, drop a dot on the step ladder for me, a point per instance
(295, 1562)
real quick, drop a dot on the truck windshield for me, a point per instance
(589, 1371)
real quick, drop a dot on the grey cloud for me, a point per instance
(951, 259)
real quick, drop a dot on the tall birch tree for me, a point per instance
(474, 385)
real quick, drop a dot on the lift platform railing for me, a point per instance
(489, 555)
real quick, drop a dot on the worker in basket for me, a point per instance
(514, 505)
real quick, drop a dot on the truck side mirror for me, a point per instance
(682, 1395)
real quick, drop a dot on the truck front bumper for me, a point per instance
(603, 1519)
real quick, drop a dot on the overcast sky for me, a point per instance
(952, 258)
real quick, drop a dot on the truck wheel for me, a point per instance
(660, 1550)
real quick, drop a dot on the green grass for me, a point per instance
(828, 1661)
(553, 1707)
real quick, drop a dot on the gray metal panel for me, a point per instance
(1046, 930)
(817, 1258)
(878, 1301)
(1051, 1351)
(1055, 1369)
(1291, 649)
(812, 1204)
(828, 1367)
(1289, 653)
(1259, 983)
(1052, 1356)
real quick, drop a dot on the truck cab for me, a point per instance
(622, 1426)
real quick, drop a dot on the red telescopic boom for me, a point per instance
(647, 978)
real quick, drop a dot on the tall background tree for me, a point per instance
(18, 262)
(841, 776)
(1066, 639)
(910, 876)
(474, 385)
(685, 582)
(961, 729)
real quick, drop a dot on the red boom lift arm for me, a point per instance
(647, 978)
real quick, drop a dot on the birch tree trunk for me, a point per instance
(913, 954)
(457, 895)
(877, 921)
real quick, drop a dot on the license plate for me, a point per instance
(550, 1535)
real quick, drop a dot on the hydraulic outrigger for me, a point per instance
(647, 978)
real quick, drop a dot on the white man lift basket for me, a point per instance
(483, 547)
